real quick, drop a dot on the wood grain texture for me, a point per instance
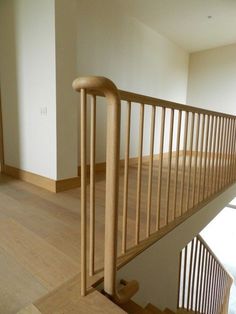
(67, 300)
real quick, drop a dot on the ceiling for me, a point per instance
(192, 24)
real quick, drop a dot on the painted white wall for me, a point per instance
(157, 268)
(37, 66)
(66, 99)
(28, 85)
(212, 79)
(112, 43)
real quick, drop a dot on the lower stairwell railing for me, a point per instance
(185, 157)
(204, 282)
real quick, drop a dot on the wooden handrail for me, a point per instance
(153, 101)
(109, 90)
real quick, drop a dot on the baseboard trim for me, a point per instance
(51, 185)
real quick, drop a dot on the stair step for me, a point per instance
(132, 308)
(168, 311)
(153, 309)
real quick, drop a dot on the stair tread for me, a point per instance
(153, 309)
(132, 308)
(168, 311)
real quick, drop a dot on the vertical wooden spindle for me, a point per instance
(83, 194)
(201, 159)
(150, 172)
(190, 161)
(208, 168)
(177, 162)
(196, 160)
(212, 158)
(162, 135)
(199, 269)
(217, 156)
(220, 154)
(184, 276)
(139, 176)
(92, 186)
(190, 279)
(206, 156)
(184, 162)
(193, 292)
(126, 179)
(167, 217)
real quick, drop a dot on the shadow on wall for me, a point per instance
(9, 83)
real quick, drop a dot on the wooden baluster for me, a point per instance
(185, 273)
(209, 302)
(139, 176)
(222, 164)
(190, 161)
(221, 287)
(204, 281)
(206, 292)
(228, 150)
(150, 173)
(214, 291)
(180, 280)
(184, 162)
(230, 160)
(196, 160)
(201, 158)
(92, 186)
(126, 179)
(169, 167)
(233, 168)
(190, 280)
(221, 154)
(83, 194)
(198, 277)
(229, 153)
(197, 247)
(177, 163)
(217, 155)
(212, 157)
(233, 172)
(206, 157)
(203, 271)
(218, 288)
(208, 169)
(162, 135)
(209, 289)
(226, 153)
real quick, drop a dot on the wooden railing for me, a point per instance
(190, 160)
(205, 284)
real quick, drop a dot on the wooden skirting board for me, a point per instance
(40, 181)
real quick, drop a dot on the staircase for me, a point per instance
(133, 308)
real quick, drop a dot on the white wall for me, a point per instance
(157, 268)
(114, 44)
(28, 84)
(66, 99)
(212, 79)
(37, 67)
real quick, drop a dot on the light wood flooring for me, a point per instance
(40, 239)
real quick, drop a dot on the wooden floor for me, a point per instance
(40, 237)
